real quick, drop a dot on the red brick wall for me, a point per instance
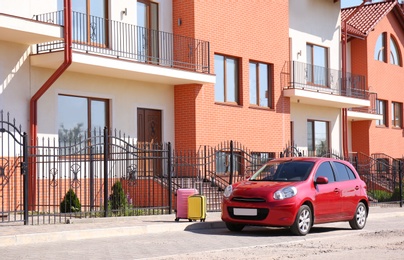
(250, 31)
(385, 79)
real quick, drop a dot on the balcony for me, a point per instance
(27, 31)
(115, 49)
(313, 85)
(365, 113)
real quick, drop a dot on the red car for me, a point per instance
(297, 193)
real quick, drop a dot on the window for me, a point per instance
(344, 173)
(226, 87)
(395, 57)
(380, 48)
(317, 65)
(317, 137)
(382, 165)
(79, 115)
(260, 84)
(147, 30)
(381, 110)
(325, 170)
(396, 114)
(223, 163)
(90, 21)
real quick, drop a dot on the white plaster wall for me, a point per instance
(317, 22)
(299, 114)
(29, 8)
(15, 81)
(125, 97)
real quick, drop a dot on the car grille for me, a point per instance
(261, 214)
(248, 199)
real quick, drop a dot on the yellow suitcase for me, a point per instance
(197, 207)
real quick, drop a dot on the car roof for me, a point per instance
(307, 159)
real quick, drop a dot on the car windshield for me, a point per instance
(284, 171)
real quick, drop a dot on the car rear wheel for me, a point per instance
(303, 221)
(234, 227)
(359, 220)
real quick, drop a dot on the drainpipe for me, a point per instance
(344, 112)
(34, 99)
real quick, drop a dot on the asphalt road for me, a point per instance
(382, 238)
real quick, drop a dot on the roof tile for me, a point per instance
(362, 22)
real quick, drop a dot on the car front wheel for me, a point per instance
(359, 220)
(303, 221)
(234, 227)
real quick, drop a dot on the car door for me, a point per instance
(327, 205)
(348, 185)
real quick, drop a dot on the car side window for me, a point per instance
(325, 170)
(342, 171)
(351, 174)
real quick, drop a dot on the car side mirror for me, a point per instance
(321, 180)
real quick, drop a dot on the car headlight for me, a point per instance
(287, 192)
(227, 192)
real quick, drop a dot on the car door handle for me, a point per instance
(356, 187)
(336, 190)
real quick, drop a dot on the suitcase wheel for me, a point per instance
(190, 220)
(177, 219)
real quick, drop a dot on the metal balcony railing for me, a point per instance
(306, 76)
(105, 37)
(372, 109)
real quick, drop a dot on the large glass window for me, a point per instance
(396, 114)
(260, 84)
(90, 21)
(77, 116)
(317, 137)
(227, 86)
(380, 48)
(147, 30)
(381, 110)
(317, 65)
(395, 57)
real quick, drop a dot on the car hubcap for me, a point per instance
(361, 216)
(304, 221)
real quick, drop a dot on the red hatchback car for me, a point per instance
(297, 193)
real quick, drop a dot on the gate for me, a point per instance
(99, 174)
(13, 172)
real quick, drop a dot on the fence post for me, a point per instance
(92, 179)
(106, 147)
(400, 180)
(170, 187)
(24, 172)
(231, 163)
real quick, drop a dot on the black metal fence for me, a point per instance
(383, 176)
(101, 36)
(106, 173)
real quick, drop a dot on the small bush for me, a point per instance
(381, 195)
(70, 203)
(396, 195)
(118, 198)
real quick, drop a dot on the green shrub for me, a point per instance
(117, 198)
(70, 203)
(396, 195)
(381, 195)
